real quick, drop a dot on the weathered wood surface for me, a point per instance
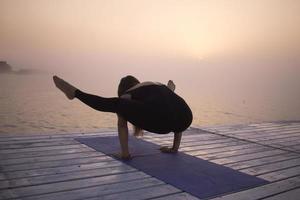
(279, 163)
(55, 166)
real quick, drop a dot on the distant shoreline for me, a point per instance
(5, 68)
(24, 72)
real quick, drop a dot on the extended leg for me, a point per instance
(98, 103)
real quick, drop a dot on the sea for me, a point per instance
(30, 103)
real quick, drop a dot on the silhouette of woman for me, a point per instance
(148, 106)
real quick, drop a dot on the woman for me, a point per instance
(150, 106)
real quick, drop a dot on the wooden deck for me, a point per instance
(58, 167)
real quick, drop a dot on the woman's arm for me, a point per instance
(176, 141)
(123, 138)
(176, 144)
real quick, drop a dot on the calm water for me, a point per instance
(31, 104)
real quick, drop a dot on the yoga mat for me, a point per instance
(198, 177)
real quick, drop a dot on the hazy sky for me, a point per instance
(137, 36)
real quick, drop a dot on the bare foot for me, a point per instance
(137, 131)
(171, 85)
(66, 88)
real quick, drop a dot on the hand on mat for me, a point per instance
(121, 157)
(167, 150)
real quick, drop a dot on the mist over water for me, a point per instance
(32, 104)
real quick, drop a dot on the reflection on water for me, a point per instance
(31, 104)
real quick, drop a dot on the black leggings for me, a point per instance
(153, 108)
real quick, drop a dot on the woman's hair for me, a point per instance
(126, 83)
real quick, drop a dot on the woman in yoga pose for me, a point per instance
(148, 106)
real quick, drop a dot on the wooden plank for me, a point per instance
(38, 144)
(264, 124)
(102, 190)
(225, 154)
(296, 148)
(234, 159)
(258, 131)
(219, 149)
(277, 140)
(235, 129)
(187, 139)
(294, 143)
(263, 191)
(225, 141)
(178, 196)
(209, 145)
(51, 158)
(284, 131)
(276, 125)
(260, 127)
(293, 149)
(22, 136)
(271, 128)
(55, 163)
(284, 143)
(75, 184)
(282, 174)
(222, 128)
(262, 161)
(33, 140)
(45, 153)
(61, 169)
(54, 178)
(265, 136)
(50, 137)
(212, 142)
(2, 176)
(200, 146)
(144, 193)
(258, 170)
(8, 151)
(270, 135)
(289, 195)
(217, 146)
(196, 143)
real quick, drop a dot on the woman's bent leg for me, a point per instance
(147, 117)
(128, 108)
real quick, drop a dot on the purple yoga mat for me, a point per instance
(196, 176)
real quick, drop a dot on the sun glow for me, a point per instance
(69, 30)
